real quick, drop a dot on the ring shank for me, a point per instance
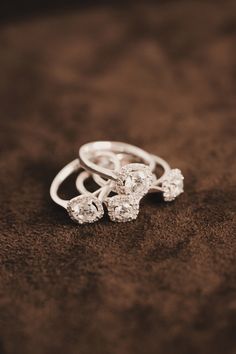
(70, 168)
(87, 151)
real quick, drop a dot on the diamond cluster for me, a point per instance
(85, 209)
(122, 208)
(134, 178)
(172, 185)
(133, 182)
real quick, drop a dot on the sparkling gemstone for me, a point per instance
(85, 209)
(173, 185)
(122, 208)
(134, 178)
(134, 182)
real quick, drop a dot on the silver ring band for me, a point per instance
(87, 151)
(62, 175)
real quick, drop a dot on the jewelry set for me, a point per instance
(123, 174)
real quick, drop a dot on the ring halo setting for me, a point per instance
(134, 178)
(85, 209)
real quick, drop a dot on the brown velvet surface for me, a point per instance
(162, 77)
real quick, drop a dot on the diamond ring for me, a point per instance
(123, 174)
(121, 208)
(125, 205)
(171, 183)
(87, 207)
(87, 152)
(133, 178)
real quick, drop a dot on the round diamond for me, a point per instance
(122, 208)
(134, 178)
(134, 182)
(173, 185)
(85, 209)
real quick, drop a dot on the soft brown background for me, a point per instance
(161, 76)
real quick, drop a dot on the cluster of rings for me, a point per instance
(123, 174)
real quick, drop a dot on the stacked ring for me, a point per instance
(123, 174)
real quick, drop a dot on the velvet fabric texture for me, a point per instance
(162, 77)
